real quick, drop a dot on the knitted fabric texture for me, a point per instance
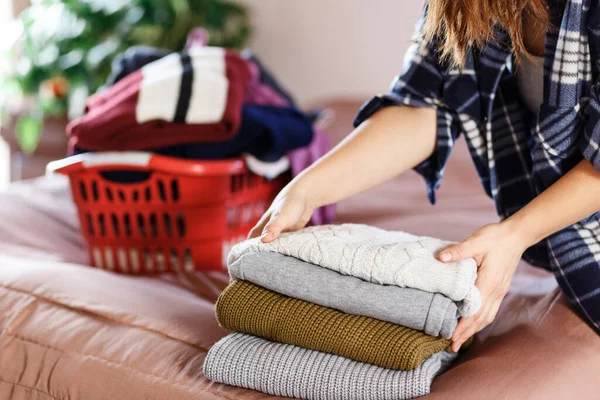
(432, 313)
(248, 308)
(286, 370)
(378, 256)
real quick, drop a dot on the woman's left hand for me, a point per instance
(497, 250)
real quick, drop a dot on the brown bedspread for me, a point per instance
(71, 332)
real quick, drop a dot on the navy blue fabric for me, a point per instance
(267, 133)
(517, 154)
(131, 60)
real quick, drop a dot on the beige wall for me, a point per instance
(17, 5)
(324, 49)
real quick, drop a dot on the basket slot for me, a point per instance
(148, 194)
(238, 183)
(97, 257)
(83, 191)
(175, 190)
(122, 260)
(232, 184)
(247, 214)
(127, 225)
(161, 190)
(122, 196)
(135, 196)
(101, 225)
(167, 224)
(174, 259)
(141, 225)
(160, 260)
(109, 258)
(181, 228)
(147, 260)
(95, 194)
(134, 257)
(90, 224)
(233, 217)
(188, 261)
(153, 225)
(109, 194)
(115, 224)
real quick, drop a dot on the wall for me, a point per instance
(325, 49)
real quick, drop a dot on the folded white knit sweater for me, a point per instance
(378, 256)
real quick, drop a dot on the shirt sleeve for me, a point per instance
(421, 84)
(589, 141)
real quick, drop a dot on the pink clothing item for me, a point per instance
(197, 37)
(259, 94)
(304, 157)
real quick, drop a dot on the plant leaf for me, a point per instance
(29, 131)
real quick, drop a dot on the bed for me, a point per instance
(72, 332)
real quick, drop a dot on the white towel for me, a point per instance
(378, 256)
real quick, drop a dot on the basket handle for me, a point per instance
(143, 161)
(136, 159)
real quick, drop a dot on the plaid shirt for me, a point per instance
(517, 154)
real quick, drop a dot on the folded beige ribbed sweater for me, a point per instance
(378, 256)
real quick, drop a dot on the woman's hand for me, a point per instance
(497, 250)
(290, 211)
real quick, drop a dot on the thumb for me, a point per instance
(273, 228)
(456, 252)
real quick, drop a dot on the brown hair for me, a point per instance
(465, 24)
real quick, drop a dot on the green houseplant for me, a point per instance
(64, 48)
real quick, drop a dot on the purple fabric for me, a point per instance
(302, 158)
(197, 37)
(259, 94)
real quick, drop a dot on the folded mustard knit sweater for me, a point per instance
(248, 308)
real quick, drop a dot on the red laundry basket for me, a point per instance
(180, 215)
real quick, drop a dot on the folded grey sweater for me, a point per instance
(432, 313)
(290, 371)
(378, 256)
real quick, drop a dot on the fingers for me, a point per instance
(457, 252)
(471, 327)
(468, 327)
(260, 226)
(463, 325)
(273, 228)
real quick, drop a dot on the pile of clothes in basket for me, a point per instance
(340, 312)
(205, 103)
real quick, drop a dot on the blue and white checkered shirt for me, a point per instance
(517, 154)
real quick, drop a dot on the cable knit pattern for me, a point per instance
(378, 256)
(290, 371)
(248, 308)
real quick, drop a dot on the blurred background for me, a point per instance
(54, 53)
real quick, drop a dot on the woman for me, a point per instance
(519, 79)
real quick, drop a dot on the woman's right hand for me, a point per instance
(290, 211)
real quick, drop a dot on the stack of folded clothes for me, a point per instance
(205, 103)
(340, 312)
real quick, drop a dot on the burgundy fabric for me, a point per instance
(110, 122)
(72, 332)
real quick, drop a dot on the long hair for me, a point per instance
(464, 24)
